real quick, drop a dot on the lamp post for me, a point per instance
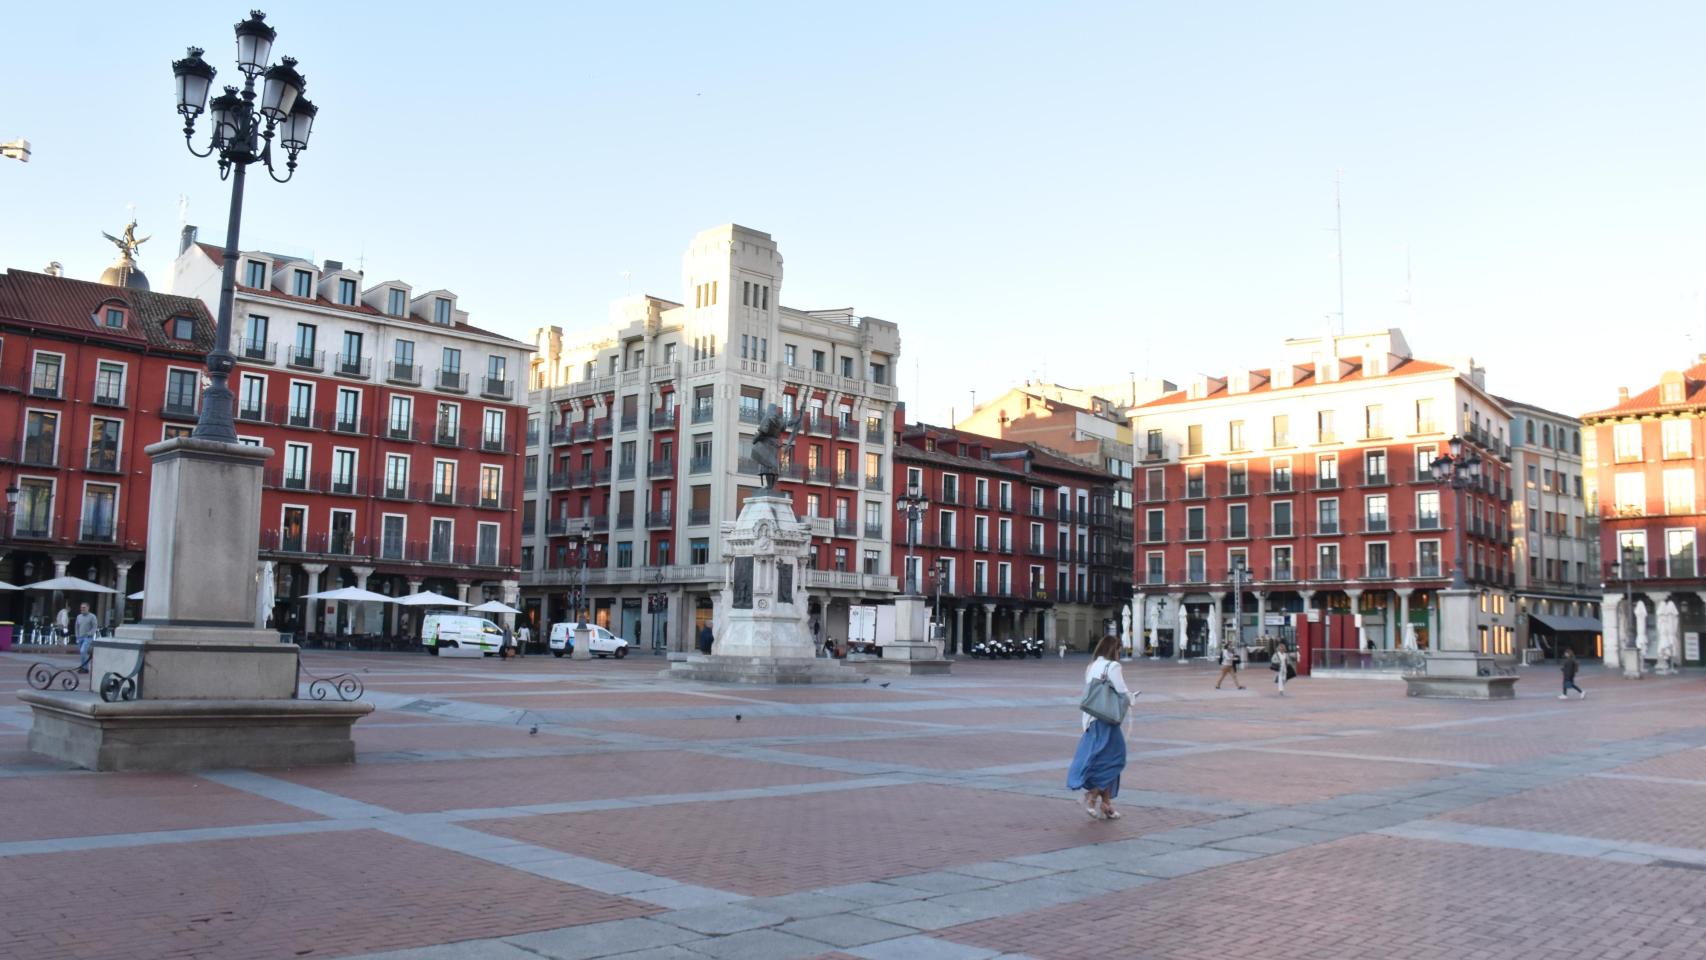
(1631, 565)
(1461, 470)
(583, 543)
(913, 504)
(1238, 574)
(11, 507)
(244, 126)
(938, 573)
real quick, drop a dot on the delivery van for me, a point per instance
(460, 632)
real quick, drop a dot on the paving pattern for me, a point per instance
(651, 820)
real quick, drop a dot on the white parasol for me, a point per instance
(427, 599)
(70, 585)
(493, 606)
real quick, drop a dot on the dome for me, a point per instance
(125, 273)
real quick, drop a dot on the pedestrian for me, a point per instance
(1569, 667)
(85, 627)
(62, 624)
(1100, 758)
(706, 639)
(1281, 666)
(1229, 661)
(523, 635)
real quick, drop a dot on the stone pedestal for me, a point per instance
(1455, 670)
(1632, 662)
(194, 685)
(583, 643)
(911, 651)
(764, 635)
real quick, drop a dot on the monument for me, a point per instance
(1453, 669)
(763, 632)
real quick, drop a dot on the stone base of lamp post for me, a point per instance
(911, 652)
(1455, 669)
(582, 643)
(765, 634)
(194, 685)
(1632, 660)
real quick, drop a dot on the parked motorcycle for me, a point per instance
(1031, 646)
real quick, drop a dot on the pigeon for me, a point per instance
(737, 718)
(866, 680)
(534, 732)
(884, 684)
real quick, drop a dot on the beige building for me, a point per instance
(1552, 533)
(640, 442)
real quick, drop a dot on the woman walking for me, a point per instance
(1100, 759)
(1281, 664)
(1569, 667)
(1229, 660)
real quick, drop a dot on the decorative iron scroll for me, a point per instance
(45, 676)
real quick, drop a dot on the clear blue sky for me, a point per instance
(1079, 191)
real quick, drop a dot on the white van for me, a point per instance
(604, 643)
(459, 632)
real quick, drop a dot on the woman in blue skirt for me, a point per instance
(1100, 759)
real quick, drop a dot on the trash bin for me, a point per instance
(5, 635)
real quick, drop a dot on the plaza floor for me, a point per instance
(546, 808)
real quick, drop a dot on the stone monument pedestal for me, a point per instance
(766, 637)
(194, 685)
(1455, 671)
(910, 653)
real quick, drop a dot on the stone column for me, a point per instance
(510, 593)
(960, 644)
(1050, 632)
(1308, 597)
(1657, 598)
(989, 620)
(310, 613)
(1399, 636)
(363, 619)
(121, 579)
(1138, 616)
(1611, 624)
(1355, 596)
(462, 588)
(1261, 613)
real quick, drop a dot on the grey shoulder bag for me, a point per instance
(1103, 700)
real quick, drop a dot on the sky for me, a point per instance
(1081, 192)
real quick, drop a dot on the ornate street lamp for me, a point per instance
(913, 504)
(583, 543)
(1461, 471)
(244, 124)
(938, 575)
(1631, 566)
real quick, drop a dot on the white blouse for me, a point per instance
(1115, 677)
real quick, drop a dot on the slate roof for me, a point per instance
(42, 301)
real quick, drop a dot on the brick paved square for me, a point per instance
(461, 784)
(322, 895)
(1369, 898)
(725, 728)
(781, 845)
(957, 752)
(454, 736)
(81, 804)
(1611, 809)
(1264, 777)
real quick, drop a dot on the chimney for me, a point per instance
(333, 266)
(1622, 394)
(186, 238)
(54, 269)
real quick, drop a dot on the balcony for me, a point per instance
(750, 414)
(951, 498)
(1376, 525)
(702, 413)
(453, 380)
(179, 408)
(746, 465)
(843, 527)
(1238, 531)
(96, 531)
(699, 517)
(980, 503)
(625, 521)
(303, 358)
(493, 443)
(1428, 523)
(103, 459)
(874, 433)
(444, 495)
(45, 385)
(358, 367)
(258, 351)
(1190, 534)
(1380, 479)
(1194, 490)
(1283, 572)
(1375, 571)
(400, 430)
(625, 470)
(662, 419)
(660, 518)
(560, 480)
(1326, 483)
(600, 475)
(1325, 571)
(873, 482)
(447, 435)
(1280, 485)
(601, 428)
(561, 434)
(822, 474)
(399, 490)
(497, 388)
(1004, 546)
(1326, 528)
(664, 468)
(1155, 535)
(342, 486)
(351, 425)
(557, 527)
(38, 451)
(405, 373)
(108, 395)
(873, 531)
(698, 465)
(493, 500)
(293, 480)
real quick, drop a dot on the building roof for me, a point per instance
(1647, 401)
(1520, 405)
(1305, 378)
(1041, 457)
(41, 300)
(907, 453)
(217, 255)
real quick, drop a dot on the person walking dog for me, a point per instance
(1100, 758)
(1569, 667)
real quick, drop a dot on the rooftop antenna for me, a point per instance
(1339, 239)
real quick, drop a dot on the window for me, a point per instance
(306, 337)
(879, 373)
(349, 410)
(1152, 445)
(109, 383)
(254, 274)
(173, 431)
(343, 471)
(1196, 486)
(1671, 392)
(1281, 514)
(1324, 432)
(1282, 430)
(346, 291)
(1678, 439)
(1155, 568)
(1374, 513)
(444, 481)
(255, 339)
(1375, 558)
(1327, 516)
(44, 381)
(181, 328)
(1427, 558)
(1155, 527)
(104, 444)
(441, 311)
(491, 485)
(1327, 472)
(449, 423)
(1279, 475)
(1237, 479)
(396, 302)
(392, 528)
(1238, 521)
(34, 514)
(115, 317)
(342, 541)
(1679, 491)
(1235, 435)
(1196, 566)
(443, 534)
(301, 403)
(402, 421)
(1626, 438)
(1329, 562)
(350, 361)
(790, 355)
(397, 476)
(1282, 563)
(1196, 526)
(817, 360)
(1193, 440)
(1425, 416)
(1631, 494)
(296, 466)
(181, 388)
(1679, 553)
(1374, 467)
(1427, 510)
(847, 367)
(1374, 421)
(100, 503)
(492, 430)
(302, 283)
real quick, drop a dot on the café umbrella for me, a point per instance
(493, 606)
(427, 599)
(69, 585)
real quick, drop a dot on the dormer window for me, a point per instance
(180, 328)
(1671, 392)
(396, 302)
(255, 274)
(112, 318)
(346, 291)
(302, 284)
(441, 311)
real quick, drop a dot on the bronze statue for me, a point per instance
(127, 244)
(768, 446)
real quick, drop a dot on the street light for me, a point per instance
(242, 133)
(581, 540)
(11, 506)
(1461, 471)
(1631, 565)
(938, 574)
(914, 505)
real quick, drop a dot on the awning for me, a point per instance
(1559, 623)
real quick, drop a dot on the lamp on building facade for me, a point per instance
(913, 505)
(244, 124)
(1461, 471)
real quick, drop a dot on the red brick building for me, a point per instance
(90, 375)
(1647, 459)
